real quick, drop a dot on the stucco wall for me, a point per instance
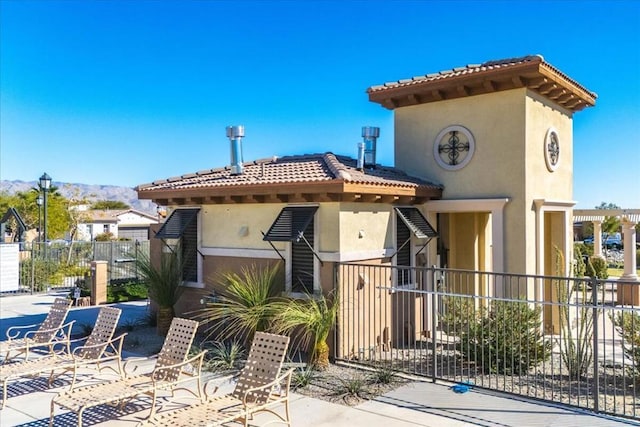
(509, 129)
(365, 227)
(221, 225)
(363, 230)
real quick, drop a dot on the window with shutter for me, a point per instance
(403, 255)
(295, 224)
(302, 262)
(182, 224)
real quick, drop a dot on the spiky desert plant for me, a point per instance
(246, 303)
(164, 280)
(225, 356)
(315, 317)
(576, 347)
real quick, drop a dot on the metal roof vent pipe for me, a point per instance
(360, 160)
(370, 135)
(235, 135)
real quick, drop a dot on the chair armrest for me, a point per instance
(109, 344)
(216, 379)
(131, 360)
(161, 373)
(17, 332)
(269, 386)
(67, 326)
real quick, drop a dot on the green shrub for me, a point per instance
(506, 338)
(302, 377)
(225, 356)
(41, 269)
(130, 291)
(597, 267)
(628, 326)
(457, 313)
(383, 375)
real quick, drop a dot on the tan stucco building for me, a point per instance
(482, 181)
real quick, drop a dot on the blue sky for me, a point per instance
(125, 92)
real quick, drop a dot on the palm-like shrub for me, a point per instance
(165, 284)
(247, 303)
(314, 317)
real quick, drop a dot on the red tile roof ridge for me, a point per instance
(336, 167)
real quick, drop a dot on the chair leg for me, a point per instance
(4, 393)
(53, 407)
(286, 411)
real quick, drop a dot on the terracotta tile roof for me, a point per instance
(489, 76)
(310, 168)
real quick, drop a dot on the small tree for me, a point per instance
(316, 315)
(110, 205)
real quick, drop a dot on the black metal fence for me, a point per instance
(566, 340)
(43, 267)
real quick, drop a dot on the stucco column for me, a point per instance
(629, 233)
(597, 238)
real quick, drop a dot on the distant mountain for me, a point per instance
(91, 192)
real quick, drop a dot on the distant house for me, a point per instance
(122, 224)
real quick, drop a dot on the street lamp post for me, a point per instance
(45, 185)
(39, 202)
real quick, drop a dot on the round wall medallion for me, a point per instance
(454, 147)
(552, 149)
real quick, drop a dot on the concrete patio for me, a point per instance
(414, 404)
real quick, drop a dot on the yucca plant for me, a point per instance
(225, 356)
(247, 303)
(315, 316)
(165, 284)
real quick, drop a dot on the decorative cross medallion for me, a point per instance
(553, 148)
(453, 147)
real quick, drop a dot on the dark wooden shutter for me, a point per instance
(189, 247)
(302, 259)
(403, 256)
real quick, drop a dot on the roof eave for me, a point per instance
(537, 76)
(325, 191)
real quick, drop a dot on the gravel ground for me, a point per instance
(339, 383)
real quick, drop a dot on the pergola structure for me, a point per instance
(628, 218)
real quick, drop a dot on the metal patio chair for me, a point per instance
(260, 388)
(50, 332)
(172, 369)
(98, 348)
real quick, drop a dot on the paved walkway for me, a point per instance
(415, 404)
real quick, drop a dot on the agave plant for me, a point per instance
(165, 284)
(315, 316)
(246, 303)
